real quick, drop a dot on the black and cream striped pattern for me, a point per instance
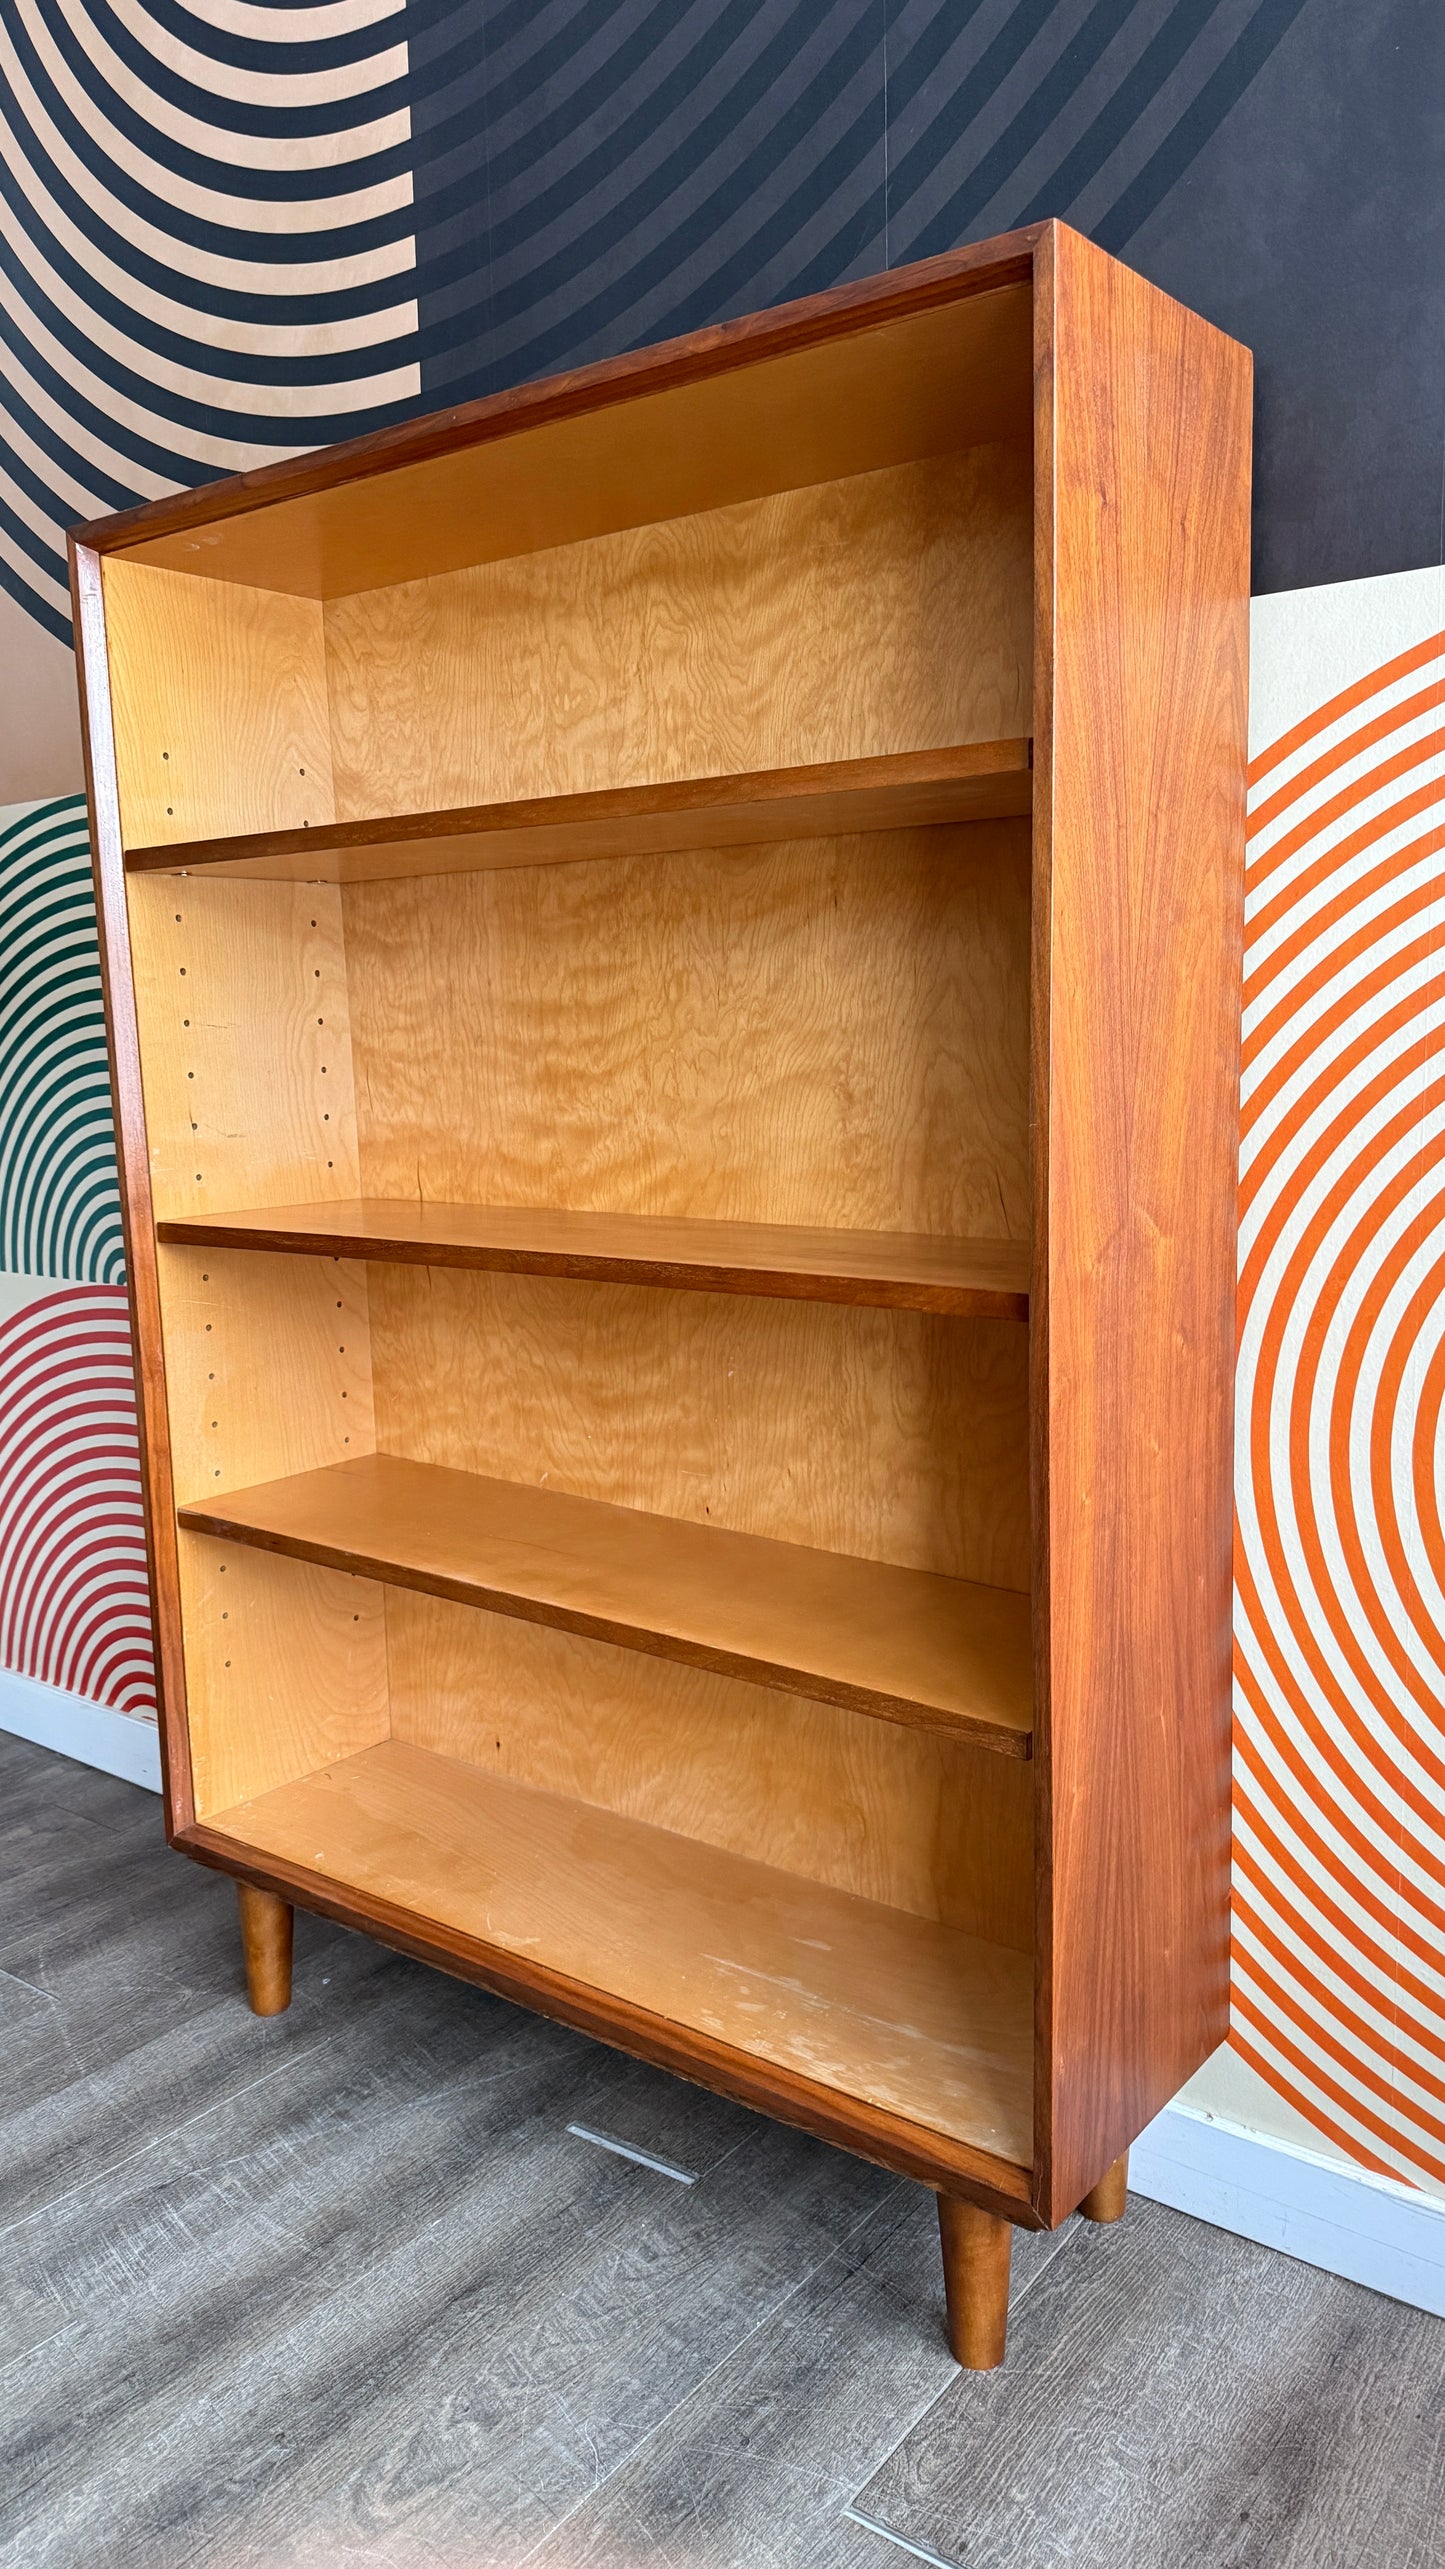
(648, 166)
(238, 228)
(208, 255)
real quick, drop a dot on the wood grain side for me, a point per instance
(240, 993)
(285, 1665)
(268, 1366)
(219, 705)
(1143, 450)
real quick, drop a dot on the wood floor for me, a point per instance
(343, 2288)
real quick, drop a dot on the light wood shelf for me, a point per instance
(907, 2015)
(941, 1654)
(910, 789)
(898, 1271)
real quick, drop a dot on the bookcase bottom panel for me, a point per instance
(872, 2003)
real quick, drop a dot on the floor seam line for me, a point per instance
(919, 2550)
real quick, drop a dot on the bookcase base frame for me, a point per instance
(976, 2226)
(975, 2234)
(870, 2132)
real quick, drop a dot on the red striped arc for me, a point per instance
(74, 1603)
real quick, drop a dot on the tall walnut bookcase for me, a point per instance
(673, 947)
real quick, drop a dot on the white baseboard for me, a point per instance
(92, 1733)
(1367, 2228)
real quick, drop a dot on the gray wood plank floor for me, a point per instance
(343, 2288)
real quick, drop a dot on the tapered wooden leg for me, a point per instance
(1106, 2200)
(976, 2249)
(266, 1923)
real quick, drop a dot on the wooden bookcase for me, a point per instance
(673, 950)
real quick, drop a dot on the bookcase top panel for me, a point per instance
(701, 424)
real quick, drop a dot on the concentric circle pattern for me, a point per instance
(59, 1188)
(74, 1605)
(206, 251)
(231, 229)
(1340, 1619)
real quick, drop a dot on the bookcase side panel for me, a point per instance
(245, 1042)
(93, 658)
(245, 1053)
(219, 696)
(286, 1669)
(1140, 808)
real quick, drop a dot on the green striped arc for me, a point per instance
(59, 1189)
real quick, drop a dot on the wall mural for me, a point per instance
(210, 256)
(1339, 1991)
(237, 229)
(73, 1602)
(74, 1608)
(59, 1191)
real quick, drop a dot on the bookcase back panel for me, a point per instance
(219, 698)
(888, 611)
(902, 1816)
(895, 1435)
(285, 1668)
(245, 1044)
(834, 1032)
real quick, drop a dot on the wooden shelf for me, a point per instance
(889, 1271)
(940, 1654)
(915, 789)
(909, 2016)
